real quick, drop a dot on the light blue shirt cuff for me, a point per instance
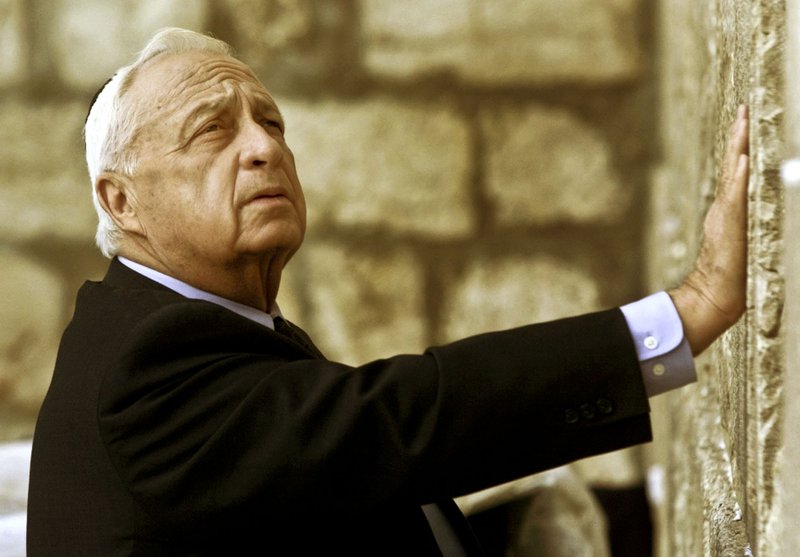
(664, 353)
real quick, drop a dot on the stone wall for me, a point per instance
(468, 166)
(788, 478)
(722, 438)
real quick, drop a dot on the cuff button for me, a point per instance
(571, 416)
(605, 406)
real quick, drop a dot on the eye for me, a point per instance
(210, 128)
(273, 124)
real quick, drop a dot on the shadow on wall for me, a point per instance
(15, 460)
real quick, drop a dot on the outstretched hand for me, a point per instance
(713, 296)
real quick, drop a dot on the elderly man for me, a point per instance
(186, 417)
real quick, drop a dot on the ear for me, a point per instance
(117, 197)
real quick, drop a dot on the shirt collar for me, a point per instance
(189, 291)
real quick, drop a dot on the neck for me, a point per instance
(252, 281)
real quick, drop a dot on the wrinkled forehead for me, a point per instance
(171, 82)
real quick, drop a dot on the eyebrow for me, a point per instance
(262, 102)
(265, 103)
(204, 108)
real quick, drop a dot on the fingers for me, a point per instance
(742, 124)
(742, 174)
(734, 164)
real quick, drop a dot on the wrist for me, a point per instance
(703, 320)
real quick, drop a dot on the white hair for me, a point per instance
(113, 121)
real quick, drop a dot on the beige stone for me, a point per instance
(514, 291)
(46, 189)
(505, 40)
(718, 55)
(364, 306)
(545, 165)
(31, 310)
(96, 37)
(382, 164)
(263, 26)
(787, 535)
(562, 519)
(12, 43)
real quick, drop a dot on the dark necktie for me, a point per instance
(283, 327)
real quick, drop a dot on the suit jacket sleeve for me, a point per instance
(203, 410)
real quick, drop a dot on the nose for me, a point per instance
(260, 146)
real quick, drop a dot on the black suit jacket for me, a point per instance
(176, 427)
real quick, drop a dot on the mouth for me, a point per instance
(276, 194)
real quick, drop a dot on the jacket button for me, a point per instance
(605, 406)
(588, 410)
(571, 416)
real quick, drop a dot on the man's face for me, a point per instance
(216, 183)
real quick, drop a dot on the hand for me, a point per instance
(713, 296)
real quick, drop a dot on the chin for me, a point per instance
(274, 241)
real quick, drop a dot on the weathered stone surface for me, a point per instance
(788, 535)
(270, 24)
(12, 43)
(382, 164)
(510, 292)
(95, 37)
(31, 312)
(504, 41)
(545, 165)
(46, 189)
(364, 306)
(718, 55)
(563, 520)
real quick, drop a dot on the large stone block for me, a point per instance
(546, 165)
(382, 164)
(515, 291)
(46, 190)
(505, 40)
(561, 519)
(95, 37)
(31, 310)
(12, 43)
(364, 306)
(262, 26)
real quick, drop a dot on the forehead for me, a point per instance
(173, 81)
